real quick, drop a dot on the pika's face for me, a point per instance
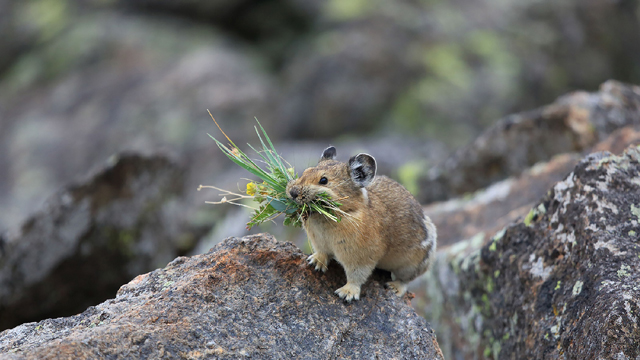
(343, 182)
(329, 176)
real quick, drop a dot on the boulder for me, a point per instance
(269, 28)
(483, 59)
(491, 209)
(92, 237)
(345, 79)
(562, 282)
(18, 35)
(487, 211)
(138, 84)
(574, 123)
(248, 297)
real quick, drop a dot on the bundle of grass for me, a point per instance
(269, 192)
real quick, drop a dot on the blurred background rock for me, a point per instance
(408, 81)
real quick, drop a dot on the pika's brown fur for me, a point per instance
(384, 225)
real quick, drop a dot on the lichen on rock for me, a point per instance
(561, 283)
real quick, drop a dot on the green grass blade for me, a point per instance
(250, 166)
(274, 175)
(273, 160)
(273, 148)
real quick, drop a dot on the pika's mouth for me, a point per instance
(295, 193)
(301, 200)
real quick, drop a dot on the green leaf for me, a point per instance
(277, 204)
(275, 176)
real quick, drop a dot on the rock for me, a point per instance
(482, 60)
(619, 140)
(138, 84)
(248, 297)
(491, 209)
(268, 27)
(573, 123)
(561, 282)
(346, 78)
(91, 238)
(17, 36)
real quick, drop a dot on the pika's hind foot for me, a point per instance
(349, 292)
(398, 287)
(319, 260)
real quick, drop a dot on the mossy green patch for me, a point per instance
(409, 173)
(533, 213)
(447, 62)
(635, 211)
(624, 271)
(48, 16)
(493, 246)
(167, 284)
(490, 284)
(345, 10)
(529, 217)
(487, 352)
(558, 285)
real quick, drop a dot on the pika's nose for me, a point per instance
(294, 193)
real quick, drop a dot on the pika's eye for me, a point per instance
(323, 181)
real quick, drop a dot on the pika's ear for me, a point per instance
(328, 154)
(362, 169)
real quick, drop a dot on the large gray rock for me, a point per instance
(573, 123)
(92, 237)
(251, 297)
(346, 78)
(483, 213)
(489, 210)
(136, 84)
(562, 282)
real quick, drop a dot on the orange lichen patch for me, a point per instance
(139, 279)
(264, 257)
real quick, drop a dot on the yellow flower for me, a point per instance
(251, 189)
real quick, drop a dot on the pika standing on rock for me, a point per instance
(384, 225)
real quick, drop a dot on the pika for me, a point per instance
(384, 226)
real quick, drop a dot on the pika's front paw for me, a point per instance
(397, 287)
(349, 292)
(320, 261)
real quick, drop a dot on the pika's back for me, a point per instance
(400, 214)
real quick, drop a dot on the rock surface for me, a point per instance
(489, 210)
(493, 208)
(91, 238)
(573, 123)
(250, 297)
(561, 283)
(112, 82)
